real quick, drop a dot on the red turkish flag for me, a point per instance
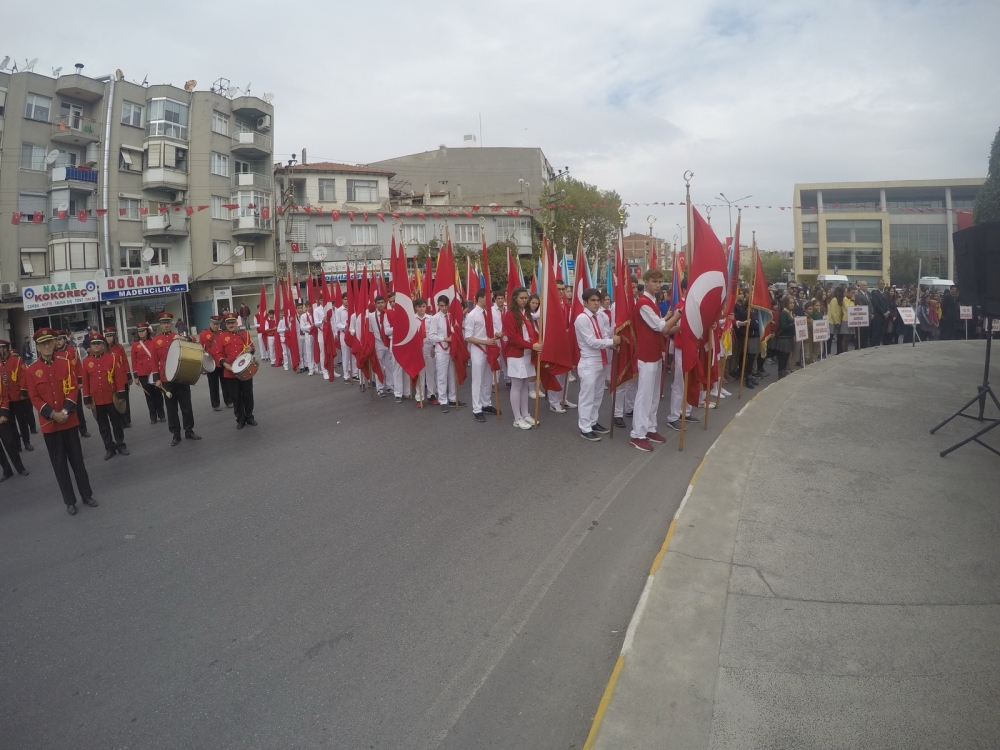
(265, 213)
(365, 214)
(143, 211)
(189, 210)
(281, 210)
(381, 216)
(81, 215)
(15, 217)
(36, 218)
(202, 208)
(407, 341)
(556, 357)
(163, 209)
(350, 215)
(121, 211)
(101, 211)
(295, 247)
(61, 213)
(308, 209)
(335, 215)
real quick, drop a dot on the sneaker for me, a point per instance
(591, 436)
(557, 408)
(692, 419)
(711, 405)
(619, 422)
(480, 417)
(433, 401)
(600, 429)
(628, 414)
(399, 399)
(523, 424)
(642, 444)
(726, 393)
(569, 405)
(458, 404)
(444, 408)
(572, 377)
(675, 425)
(531, 393)
(748, 384)
(489, 410)
(655, 437)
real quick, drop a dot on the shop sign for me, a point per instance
(143, 285)
(56, 295)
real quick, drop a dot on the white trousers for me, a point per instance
(647, 398)
(677, 396)
(347, 359)
(625, 399)
(400, 379)
(446, 392)
(287, 354)
(482, 381)
(427, 379)
(321, 365)
(386, 361)
(264, 354)
(591, 377)
(556, 397)
(306, 352)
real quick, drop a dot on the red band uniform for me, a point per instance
(8, 436)
(102, 378)
(12, 372)
(180, 393)
(121, 358)
(67, 351)
(229, 345)
(143, 365)
(207, 340)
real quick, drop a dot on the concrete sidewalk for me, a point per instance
(830, 581)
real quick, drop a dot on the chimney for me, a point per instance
(443, 148)
(305, 158)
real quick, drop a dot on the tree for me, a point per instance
(773, 265)
(987, 205)
(567, 202)
(904, 266)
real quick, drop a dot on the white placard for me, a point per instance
(965, 312)
(801, 328)
(996, 325)
(821, 330)
(857, 316)
(907, 315)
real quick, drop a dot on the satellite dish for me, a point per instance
(319, 253)
(62, 207)
(30, 66)
(3, 65)
(189, 86)
(119, 75)
(239, 250)
(267, 97)
(56, 72)
(341, 241)
(99, 274)
(147, 254)
(231, 91)
(50, 158)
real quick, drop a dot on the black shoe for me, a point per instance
(29, 447)
(190, 435)
(71, 509)
(22, 471)
(6, 475)
(127, 425)
(619, 422)
(479, 417)
(489, 410)
(109, 454)
(229, 405)
(600, 429)
(34, 431)
(162, 419)
(628, 414)
(251, 421)
(123, 450)
(90, 502)
(692, 419)
(458, 404)
(591, 436)
(176, 440)
(153, 420)
(240, 424)
(749, 384)
(675, 425)
(216, 408)
(84, 433)
(399, 399)
(444, 408)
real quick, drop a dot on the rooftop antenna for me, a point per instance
(247, 89)
(268, 98)
(231, 91)
(145, 81)
(30, 65)
(6, 61)
(56, 72)
(79, 68)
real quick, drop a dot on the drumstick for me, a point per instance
(165, 391)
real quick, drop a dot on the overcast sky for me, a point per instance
(751, 96)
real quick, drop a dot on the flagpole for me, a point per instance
(614, 352)
(543, 287)
(687, 203)
(709, 356)
(746, 337)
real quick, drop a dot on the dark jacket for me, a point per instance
(880, 303)
(786, 325)
(949, 308)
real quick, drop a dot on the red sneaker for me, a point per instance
(655, 437)
(642, 444)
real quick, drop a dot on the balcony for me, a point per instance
(169, 224)
(250, 107)
(162, 177)
(73, 226)
(77, 175)
(75, 130)
(251, 180)
(254, 145)
(79, 87)
(254, 267)
(251, 226)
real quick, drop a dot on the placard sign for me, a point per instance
(857, 316)
(801, 328)
(143, 285)
(56, 295)
(821, 330)
(907, 315)
(996, 325)
(965, 312)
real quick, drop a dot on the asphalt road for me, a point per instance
(349, 574)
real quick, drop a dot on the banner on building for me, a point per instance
(143, 285)
(57, 295)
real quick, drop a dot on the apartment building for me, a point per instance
(132, 200)
(851, 228)
(637, 246)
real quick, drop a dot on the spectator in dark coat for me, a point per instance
(949, 314)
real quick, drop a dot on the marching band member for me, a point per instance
(207, 340)
(12, 372)
(181, 394)
(400, 380)
(271, 338)
(475, 329)
(439, 334)
(102, 378)
(650, 332)
(70, 354)
(227, 347)
(143, 367)
(121, 361)
(594, 337)
(260, 317)
(8, 436)
(427, 379)
(52, 388)
(520, 345)
(381, 327)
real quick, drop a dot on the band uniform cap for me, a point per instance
(4, 342)
(215, 318)
(142, 324)
(231, 316)
(44, 334)
(110, 329)
(165, 317)
(61, 333)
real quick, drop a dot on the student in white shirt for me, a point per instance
(594, 337)
(477, 335)
(439, 334)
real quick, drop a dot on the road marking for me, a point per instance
(605, 700)
(637, 617)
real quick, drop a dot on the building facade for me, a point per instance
(131, 199)
(851, 228)
(637, 248)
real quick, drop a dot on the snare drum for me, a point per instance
(184, 361)
(245, 366)
(207, 363)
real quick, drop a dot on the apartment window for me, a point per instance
(810, 258)
(241, 167)
(924, 238)
(467, 233)
(219, 164)
(71, 115)
(839, 257)
(868, 260)
(362, 191)
(161, 256)
(168, 118)
(218, 212)
(34, 262)
(243, 127)
(220, 251)
(246, 198)
(66, 159)
(174, 158)
(415, 233)
(506, 229)
(132, 114)
(810, 232)
(128, 208)
(153, 155)
(854, 231)
(326, 190)
(130, 257)
(74, 256)
(37, 107)
(364, 234)
(324, 234)
(220, 123)
(32, 157)
(29, 204)
(3, 100)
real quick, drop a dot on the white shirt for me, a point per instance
(587, 339)
(475, 325)
(428, 345)
(437, 330)
(340, 318)
(282, 327)
(305, 323)
(373, 322)
(652, 316)
(318, 314)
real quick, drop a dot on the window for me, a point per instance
(37, 107)
(467, 233)
(219, 164)
(241, 167)
(362, 191)
(327, 192)
(506, 229)
(810, 232)
(324, 234)
(32, 157)
(34, 262)
(810, 258)
(168, 118)
(247, 198)
(220, 123)
(839, 257)
(130, 207)
(415, 233)
(218, 212)
(174, 157)
(71, 115)
(74, 256)
(220, 251)
(868, 260)
(853, 231)
(130, 257)
(3, 100)
(153, 155)
(364, 234)
(243, 127)
(129, 159)
(66, 159)
(131, 114)
(30, 203)
(161, 256)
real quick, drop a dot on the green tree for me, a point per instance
(904, 266)
(987, 205)
(572, 202)
(773, 265)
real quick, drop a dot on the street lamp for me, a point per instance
(730, 203)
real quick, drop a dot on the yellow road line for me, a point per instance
(603, 705)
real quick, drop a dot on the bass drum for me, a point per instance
(245, 366)
(184, 362)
